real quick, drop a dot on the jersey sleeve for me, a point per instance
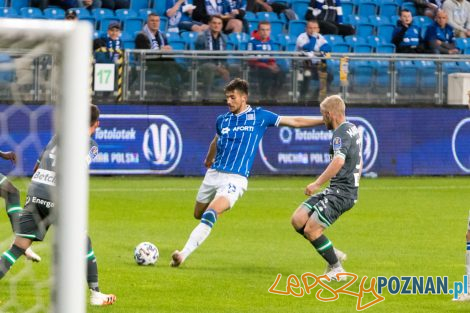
(341, 144)
(271, 118)
(218, 125)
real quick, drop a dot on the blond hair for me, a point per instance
(333, 104)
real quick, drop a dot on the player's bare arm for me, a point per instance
(333, 168)
(211, 153)
(300, 121)
(8, 155)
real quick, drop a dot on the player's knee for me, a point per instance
(312, 232)
(468, 235)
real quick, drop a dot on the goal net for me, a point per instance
(44, 91)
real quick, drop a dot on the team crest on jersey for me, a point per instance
(336, 143)
(93, 152)
(250, 117)
(225, 130)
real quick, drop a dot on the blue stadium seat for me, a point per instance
(385, 48)
(334, 39)
(250, 16)
(387, 9)
(366, 8)
(132, 24)
(332, 66)
(267, 16)
(291, 46)
(172, 36)
(464, 66)
(348, 8)
(89, 19)
(353, 40)
(2, 3)
(136, 5)
(81, 12)
(252, 26)
(8, 12)
(190, 39)
(427, 76)
(54, 13)
(407, 77)
(101, 13)
(143, 13)
(28, 12)
(238, 38)
(125, 13)
(356, 19)
(18, 4)
(128, 44)
(386, 32)
(364, 29)
(296, 28)
(409, 6)
(177, 44)
(462, 43)
(374, 41)
(340, 48)
(362, 75)
(377, 20)
(362, 48)
(160, 7)
(277, 27)
(163, 23)
(382, 75)
(105, 21)
(230, 46)
(300, 7)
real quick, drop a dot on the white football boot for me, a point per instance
(101, 299)
(31, 255)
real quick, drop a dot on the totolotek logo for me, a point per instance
(162, 144)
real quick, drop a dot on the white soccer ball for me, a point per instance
(146, 253)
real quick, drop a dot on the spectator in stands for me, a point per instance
(71, 16)
(427, 7)
(440, 36)
(116, 4)
(213, 40)
(67, 4)
(109, 49)
(458, 12)
(266, 71)
(239, 11)
(179, 13)
(406, 35)
(206, 8)
(278, 7)
(153, 39)
(312, 42)
(329, 14)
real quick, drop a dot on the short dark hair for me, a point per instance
(237, 84)
(94, 114)
(152, 14)
(405, 10)
(215, 16)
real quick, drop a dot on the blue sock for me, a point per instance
(209, 217)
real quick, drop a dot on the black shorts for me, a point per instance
(327, 206)
(35, 218)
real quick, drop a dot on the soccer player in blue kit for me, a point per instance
(230, 158)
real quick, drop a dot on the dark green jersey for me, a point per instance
(346, 143)
(44, 179)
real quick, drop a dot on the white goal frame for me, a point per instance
(72, 118)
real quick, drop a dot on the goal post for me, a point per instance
(70, 43)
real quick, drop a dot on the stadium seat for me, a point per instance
(464, 66)
(54, 13)
(31, 13)
(340, 48)
(89, 19)
(409, 6)
(462, 43)
(267, 16)
(385, 32)
(177, 44)
(125, 13)
(300, 7)
(348, 8)
(466, 50)
(143, 13)
(163, 23)
(104, 23)
(407, 77)
(356, 19)
(334, 39)
(132, 24)
(230, 46)
(101, 13)
(385, 48)
(362, 48)
(382, 76)
(277, 27)
(427, 76)
(332, 66)
(374, 41)
(362, 75)
(366, 8)
(128, 44)
(137, 5)
(238, 38)
(364, 29)
(8, 12)
(353, 40)
(81, 12)
(172, 36)
(18, 4)
(387, 9)
(250, 16)
(160, 7)
(190, 39)
(296, 28)
(377, 20)
(2, 3)
(252, 26)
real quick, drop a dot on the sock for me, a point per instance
(9, 258)
(467, 263)
(92, 268)
(325, 248)
(12, 203)
(200, 233)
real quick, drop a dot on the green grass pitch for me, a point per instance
(400, 226)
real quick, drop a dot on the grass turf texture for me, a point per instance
(400, 226)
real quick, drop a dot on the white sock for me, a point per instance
(197, 237)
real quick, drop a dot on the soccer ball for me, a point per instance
(146, 253)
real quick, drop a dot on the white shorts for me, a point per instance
(215, 183)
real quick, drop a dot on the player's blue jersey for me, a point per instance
(239, 136)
